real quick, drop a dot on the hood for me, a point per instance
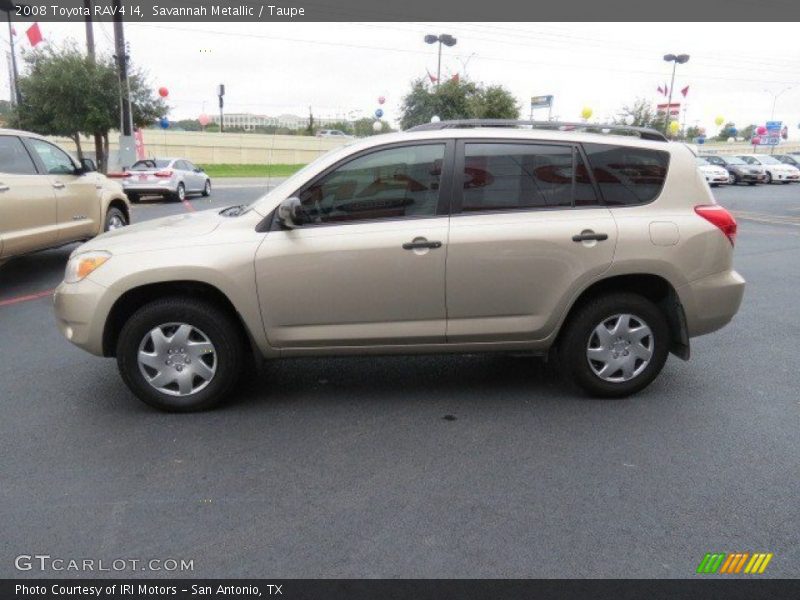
(167, 232)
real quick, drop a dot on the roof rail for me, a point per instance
(644, 133)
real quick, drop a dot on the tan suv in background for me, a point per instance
(47, 199)
(600, 249)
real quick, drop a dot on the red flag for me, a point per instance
(432, 78)
(455, 78)
(685, 91)
(34, 34)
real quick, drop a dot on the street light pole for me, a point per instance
(675, 60)
(446, 39)
(775, 100)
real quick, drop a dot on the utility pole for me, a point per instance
(99, 153)
(16, 97)
(127, 147)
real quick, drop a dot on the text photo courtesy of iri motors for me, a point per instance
(336, 301)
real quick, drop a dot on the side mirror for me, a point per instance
(289, 213)
(87, 165)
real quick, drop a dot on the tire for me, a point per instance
(733, 179)
(219, 346)
(207, 189)
(752, 182)
(578, 341)
(180, 192)
(769, 178)
(115, 219)
(134, 198)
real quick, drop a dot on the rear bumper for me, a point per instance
(150, 187)
(711, 302)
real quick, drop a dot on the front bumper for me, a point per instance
(786, 177)
(711, 302)
(80, 314)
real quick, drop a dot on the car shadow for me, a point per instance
(34, 272)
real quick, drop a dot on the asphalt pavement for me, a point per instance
(430, 466)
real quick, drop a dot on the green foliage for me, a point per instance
(726, 132)
(363, 127)
(231, 170)
(66, 93)
(456, 100)
(640, 114)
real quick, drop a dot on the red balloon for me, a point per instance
(204, 119)
(381, 99)
(163, 92)
(756, 140)
(761, 130)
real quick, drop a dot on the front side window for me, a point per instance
(14, 158)
(386, 184)
(56, 161)
(627, 176)
(512, 176)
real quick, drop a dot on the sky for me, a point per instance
(340, 69)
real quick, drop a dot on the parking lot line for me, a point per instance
(27, 297)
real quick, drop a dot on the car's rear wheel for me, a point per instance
(614, 345)
(207, 188)
(180, 354)
(115, 219)
(180, 192)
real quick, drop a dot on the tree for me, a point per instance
(640, 114)
(66, 93)
(456, 99)
(727, 131)
(363, 127)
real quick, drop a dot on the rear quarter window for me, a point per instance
(627, 176)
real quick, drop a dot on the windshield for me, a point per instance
(769, 160)
(749, 160)
(702, 162)
(149, 164)
(734, 160)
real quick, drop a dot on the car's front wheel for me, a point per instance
(614, 345)
(769, 177)
(180, 354)
(207, 188)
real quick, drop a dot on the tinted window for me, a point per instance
(56, 161)
(13, 156)
(397, 182)
(149, 164)
(523, 176)
(625, 175)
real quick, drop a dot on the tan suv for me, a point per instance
(600, 250)
(47, 199)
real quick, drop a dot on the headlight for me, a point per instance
(80, 265)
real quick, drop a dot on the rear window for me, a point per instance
(499, 176)
(628, 176)
(149, 164)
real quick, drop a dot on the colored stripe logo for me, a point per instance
(734, 563)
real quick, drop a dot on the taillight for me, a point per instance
(166, 173)
(716, 215)
(117, 175)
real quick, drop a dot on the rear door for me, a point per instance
(28, 213)
(77, 196)
(198, 179)
(527, 231)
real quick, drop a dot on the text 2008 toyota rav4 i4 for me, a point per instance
(602, 250)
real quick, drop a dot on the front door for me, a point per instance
(367, 266)
(77, 196)
(527, 231)
(28, 216)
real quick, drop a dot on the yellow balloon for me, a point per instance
(719, 121)
(674, 127)
(586, 113)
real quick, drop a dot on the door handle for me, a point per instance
(589, 236)
(58, 185)
(418, 245)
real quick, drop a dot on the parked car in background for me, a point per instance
(714, 174)
(739, 171)
(333, 133)
(48, 198)
(173, 178)
(604, 252)
(776, 171)
(789, 159)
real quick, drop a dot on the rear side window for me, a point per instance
(14, 158)
(627, 176)
(523, 176)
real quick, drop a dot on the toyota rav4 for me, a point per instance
(600, 249)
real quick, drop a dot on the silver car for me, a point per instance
(167, 177)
